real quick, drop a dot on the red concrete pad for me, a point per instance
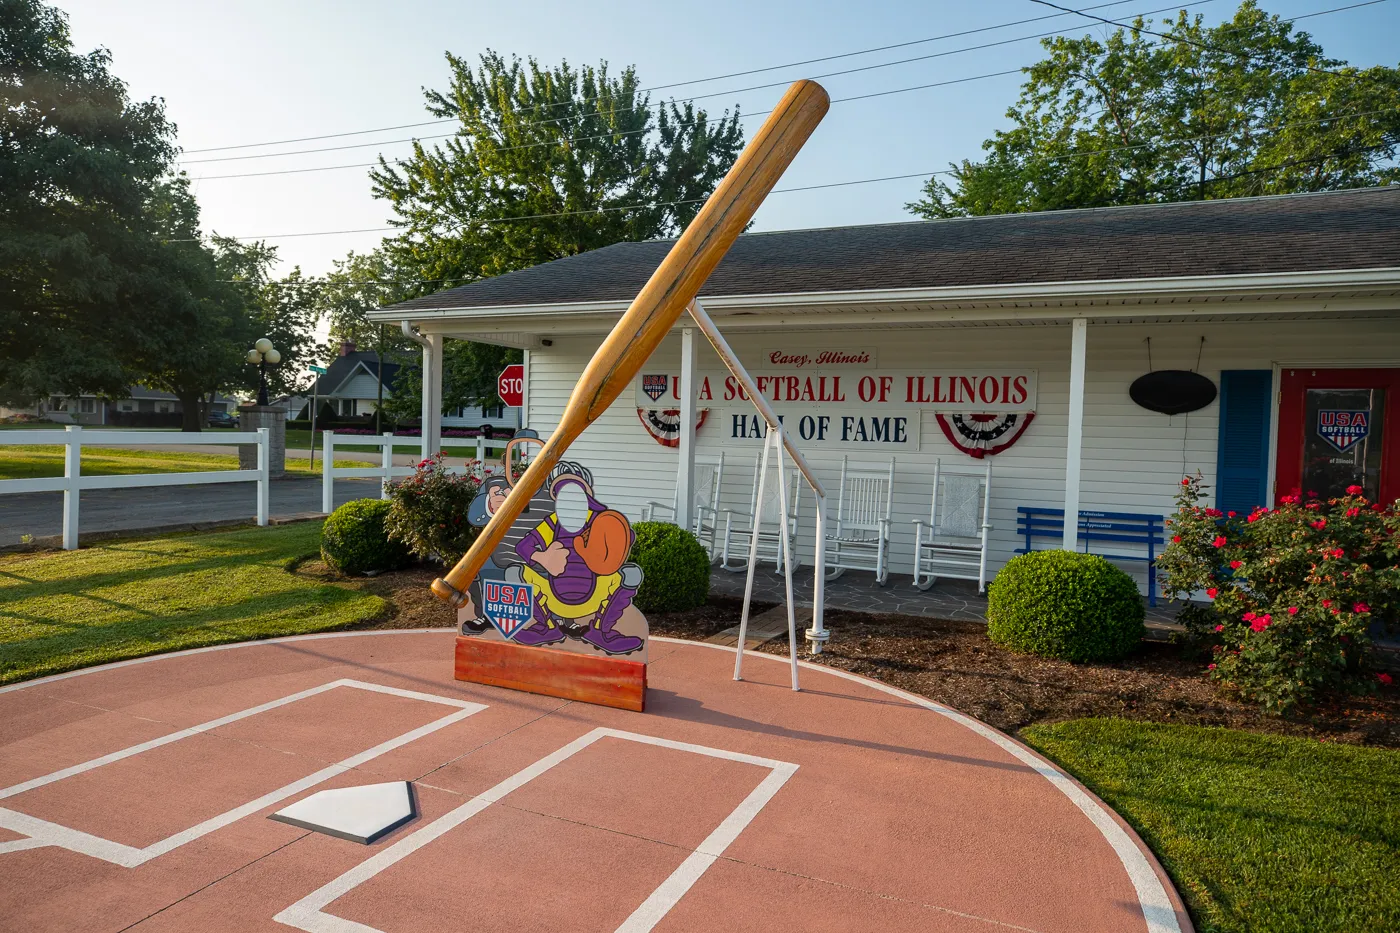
(514, 872)
(897, 816)
(67, 735)
(766, 900)
(670, 796)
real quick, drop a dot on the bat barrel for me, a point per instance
(654, 311)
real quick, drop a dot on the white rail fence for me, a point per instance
(73, 482)
(385, 472)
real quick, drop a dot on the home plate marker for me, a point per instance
(360, 814)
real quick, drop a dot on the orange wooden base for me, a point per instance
(588, 678)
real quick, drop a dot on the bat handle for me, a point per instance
(448, 593)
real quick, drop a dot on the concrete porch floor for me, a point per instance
(857, 591)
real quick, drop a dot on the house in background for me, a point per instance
(144, 408)
(351, 387)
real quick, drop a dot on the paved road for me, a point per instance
(41, 513)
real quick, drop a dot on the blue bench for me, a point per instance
(1118, 527)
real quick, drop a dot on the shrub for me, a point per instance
(354, 539)
(428, 510)
(1061, 604)
(675, 568)
(1293, 590)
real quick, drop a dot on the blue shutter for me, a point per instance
(1242, 455)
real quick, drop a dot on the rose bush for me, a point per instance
(428, 510)
(1293, 591)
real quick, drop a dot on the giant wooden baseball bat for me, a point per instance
(654, 311)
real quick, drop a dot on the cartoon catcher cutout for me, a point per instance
(571, 551)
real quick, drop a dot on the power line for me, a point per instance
(1206, 45)
(836, 184)
(662, 87)
(743, 90)
(757, 113)
(637, 132)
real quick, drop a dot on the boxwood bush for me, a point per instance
(675, 568)
(1060, 604)
(354, 539)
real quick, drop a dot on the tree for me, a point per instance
(546, 163)
(1249, 107)
(83, 265)
(469, 372)
(360, 283)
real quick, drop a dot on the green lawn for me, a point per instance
(30, 461)
(60, 611)
(1260, 833)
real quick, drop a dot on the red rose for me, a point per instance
(1186, 481)
(1383, 678)
(1354, 490)
(1236, 564)
(1353, 512)
(1293, 610)
(1249, 616)
(1211, 667)
(1220, 628)
(1219, 541)
(1320, 524)
(1259, 624)
(1326, 602)
(1361, 607)
(1230, 514)
(1176, 539)
(1211, 592)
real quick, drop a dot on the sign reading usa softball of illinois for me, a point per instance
(931, 389)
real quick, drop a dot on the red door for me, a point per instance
(1336, 429)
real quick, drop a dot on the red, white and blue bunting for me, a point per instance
(978, 435)
(664, 425)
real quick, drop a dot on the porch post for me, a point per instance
(432, 394)
(685, 470)
(1074, 442)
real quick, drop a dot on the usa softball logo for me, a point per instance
(655, 386)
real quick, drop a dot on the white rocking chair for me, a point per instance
(738, 526)
(704, 510)
(862, 537)
(953, 542)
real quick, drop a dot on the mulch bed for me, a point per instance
(954, 663)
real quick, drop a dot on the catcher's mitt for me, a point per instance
(604, 544)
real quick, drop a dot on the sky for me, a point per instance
(239, 72)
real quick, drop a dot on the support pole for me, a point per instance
(817, 634)
(777, 436)
(753, 560)
(1074, 442)
(72, 470)
(685, 470)
(432, 394)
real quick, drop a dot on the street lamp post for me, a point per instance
(263, 354)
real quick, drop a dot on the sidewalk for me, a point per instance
(160, 507)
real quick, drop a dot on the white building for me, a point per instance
(1289, 305)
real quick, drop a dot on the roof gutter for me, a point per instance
(1117, 290)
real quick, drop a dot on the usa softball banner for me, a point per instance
(954, 390)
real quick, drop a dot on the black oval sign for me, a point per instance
(1172, 391)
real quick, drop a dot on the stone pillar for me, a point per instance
(252, 417)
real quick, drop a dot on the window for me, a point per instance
(128, 406)
(87, 406)
(495, 411)
(347, 408)
(58, 403)
(163, 407)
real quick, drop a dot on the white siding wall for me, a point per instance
(362, 386)
(1133, 459)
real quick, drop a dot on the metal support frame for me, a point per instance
(1074, 441)
(817, 635)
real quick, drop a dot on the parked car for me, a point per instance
(222, 419)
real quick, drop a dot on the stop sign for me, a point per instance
(510, 384)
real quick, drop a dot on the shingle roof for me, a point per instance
(341, 367)
(1292, 233)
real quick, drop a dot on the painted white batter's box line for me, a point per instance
(45, 833)
(308, 914)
